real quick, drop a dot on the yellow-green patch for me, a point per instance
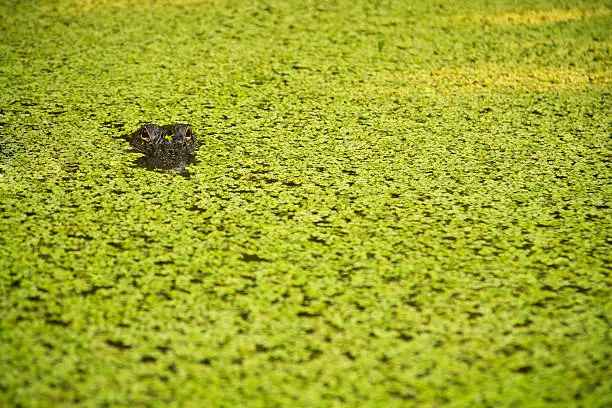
(541, 16)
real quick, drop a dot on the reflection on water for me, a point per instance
(167, 162)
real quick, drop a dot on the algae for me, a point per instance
(394, 204)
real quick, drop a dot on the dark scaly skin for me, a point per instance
(167, 147)
(183, 137)
(151, 139)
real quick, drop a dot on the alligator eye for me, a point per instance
(144, 135)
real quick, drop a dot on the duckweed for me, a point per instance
(394, 204)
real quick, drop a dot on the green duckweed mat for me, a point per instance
(396, 204)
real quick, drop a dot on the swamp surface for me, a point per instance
(394, 204)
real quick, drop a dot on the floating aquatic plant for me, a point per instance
(394, 204)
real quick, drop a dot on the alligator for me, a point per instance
(168, 147)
